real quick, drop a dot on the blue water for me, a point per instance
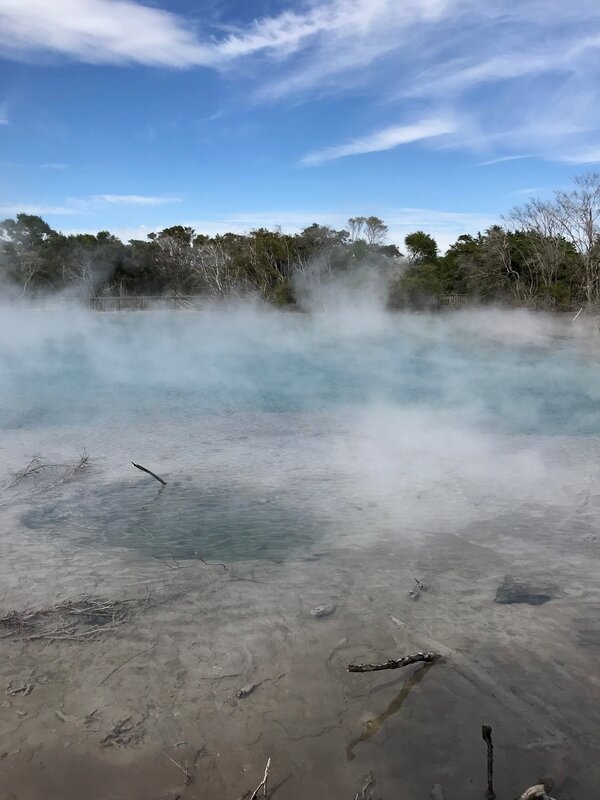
(73, 369)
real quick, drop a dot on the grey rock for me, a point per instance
(323, 611)
(246, 691)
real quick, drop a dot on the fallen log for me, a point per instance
(428, 657)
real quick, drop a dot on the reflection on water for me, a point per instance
(181, 519)
(373, 726)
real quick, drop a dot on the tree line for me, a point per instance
(546, 254)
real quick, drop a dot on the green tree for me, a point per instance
(421, 247)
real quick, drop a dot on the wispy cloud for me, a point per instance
(100, 31)
(536, 62)
(121, 31)
(136, 199)
(587, 155)
(38, 209)
(384, 139)
(86, 205)
(502, 159)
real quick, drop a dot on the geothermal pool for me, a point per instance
(314, 459)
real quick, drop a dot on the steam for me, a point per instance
(427, 420)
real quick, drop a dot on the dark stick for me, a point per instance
(139, 466)
(486, 732)
(402, 662)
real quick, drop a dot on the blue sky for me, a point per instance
(229, 115)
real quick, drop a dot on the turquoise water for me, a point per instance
(63, 369)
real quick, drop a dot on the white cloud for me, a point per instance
(100, 31)
(85, 205)
(118, 31)
(588, 155)
(39, 210)
(385, 139)
(136, 199)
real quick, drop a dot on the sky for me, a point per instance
(440, 115)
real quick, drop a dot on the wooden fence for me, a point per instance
(123, 303)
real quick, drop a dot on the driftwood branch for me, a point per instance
(149, 472)
(486, 732)
(184, 768)
(428, 657)
(263, 784)
(537, 792)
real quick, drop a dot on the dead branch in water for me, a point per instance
(263, 784)
(74, 620)
(486, 732)
(83, 462)
(428, 657)
(35, 465)
(368, 781)
(538, 792)
(174, 566)
(122, 664)
(149, 472)
(185, 769)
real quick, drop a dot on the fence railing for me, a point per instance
(122, 303)
(454, 299)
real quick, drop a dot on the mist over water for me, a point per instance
(496, 371)
(273, 428)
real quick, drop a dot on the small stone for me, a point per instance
(322, 611)
(414, 594)
(246, 691)
(437, 793)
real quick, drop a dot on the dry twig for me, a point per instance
(263, 784)
(83, 462)
(35, 465)
(122, 664)
(368, 781)
(188, 775)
